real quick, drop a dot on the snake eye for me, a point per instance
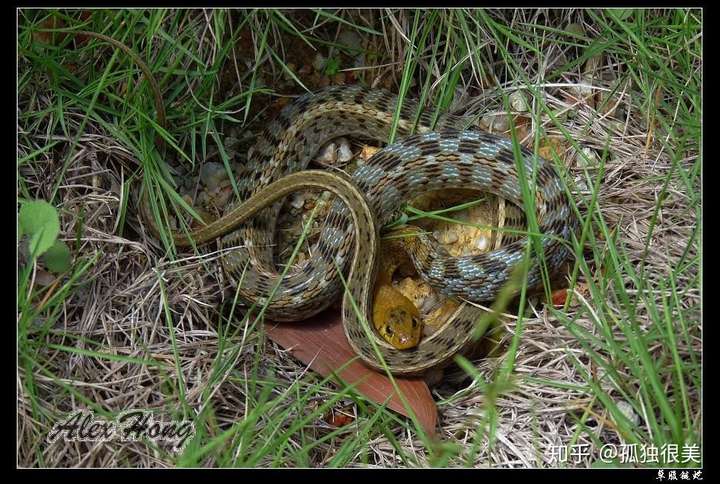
(414, 322)
(389, 330)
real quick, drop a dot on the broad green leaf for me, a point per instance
(57, 258)
(40, 221)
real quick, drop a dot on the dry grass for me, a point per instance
(203, 366)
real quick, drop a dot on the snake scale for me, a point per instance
(427, 160)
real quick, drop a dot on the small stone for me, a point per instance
(587, 158)
(298, 200)
(582, 186)
(446, 236)
(344, 151)
(327, 154)
(584, 90)
(43, 278)
(518, 101)
(627, 410)
(319, 62)
(212, 173)
(495, 122)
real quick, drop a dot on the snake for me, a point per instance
(427, 156)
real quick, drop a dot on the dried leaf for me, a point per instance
(549, 145)
(368, 151)
(53, 38)
(338, 418)
(321, 344)
(558, 297)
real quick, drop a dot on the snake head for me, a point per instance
(396, 318)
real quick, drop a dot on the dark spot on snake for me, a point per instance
(383, 103)
(408, 110)
(359, 97)
(284, 122)
(468, 146)
(388, 161)
(428, 147)
(498, 177)
(506, 155)
(301, 103)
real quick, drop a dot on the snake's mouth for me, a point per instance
(405, 342)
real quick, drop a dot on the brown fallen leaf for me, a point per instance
(338, 417)
(550, 145)
(321, 344)
(53, 38)
(558, 297)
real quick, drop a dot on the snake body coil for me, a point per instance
(429, 160)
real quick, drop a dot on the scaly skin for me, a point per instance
(394, 316)
(440, 160)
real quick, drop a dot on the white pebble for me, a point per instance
(327, 154)
(587, 157)
(519, 101)
(495, 122)
(627, 410)
(212, 173)
(344, 151)
(297, 200)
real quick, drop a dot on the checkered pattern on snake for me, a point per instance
(429, 160)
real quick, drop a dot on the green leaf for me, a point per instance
(57, 258)
(40, 221)
(332, 66)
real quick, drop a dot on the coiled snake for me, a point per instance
(429, 160)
